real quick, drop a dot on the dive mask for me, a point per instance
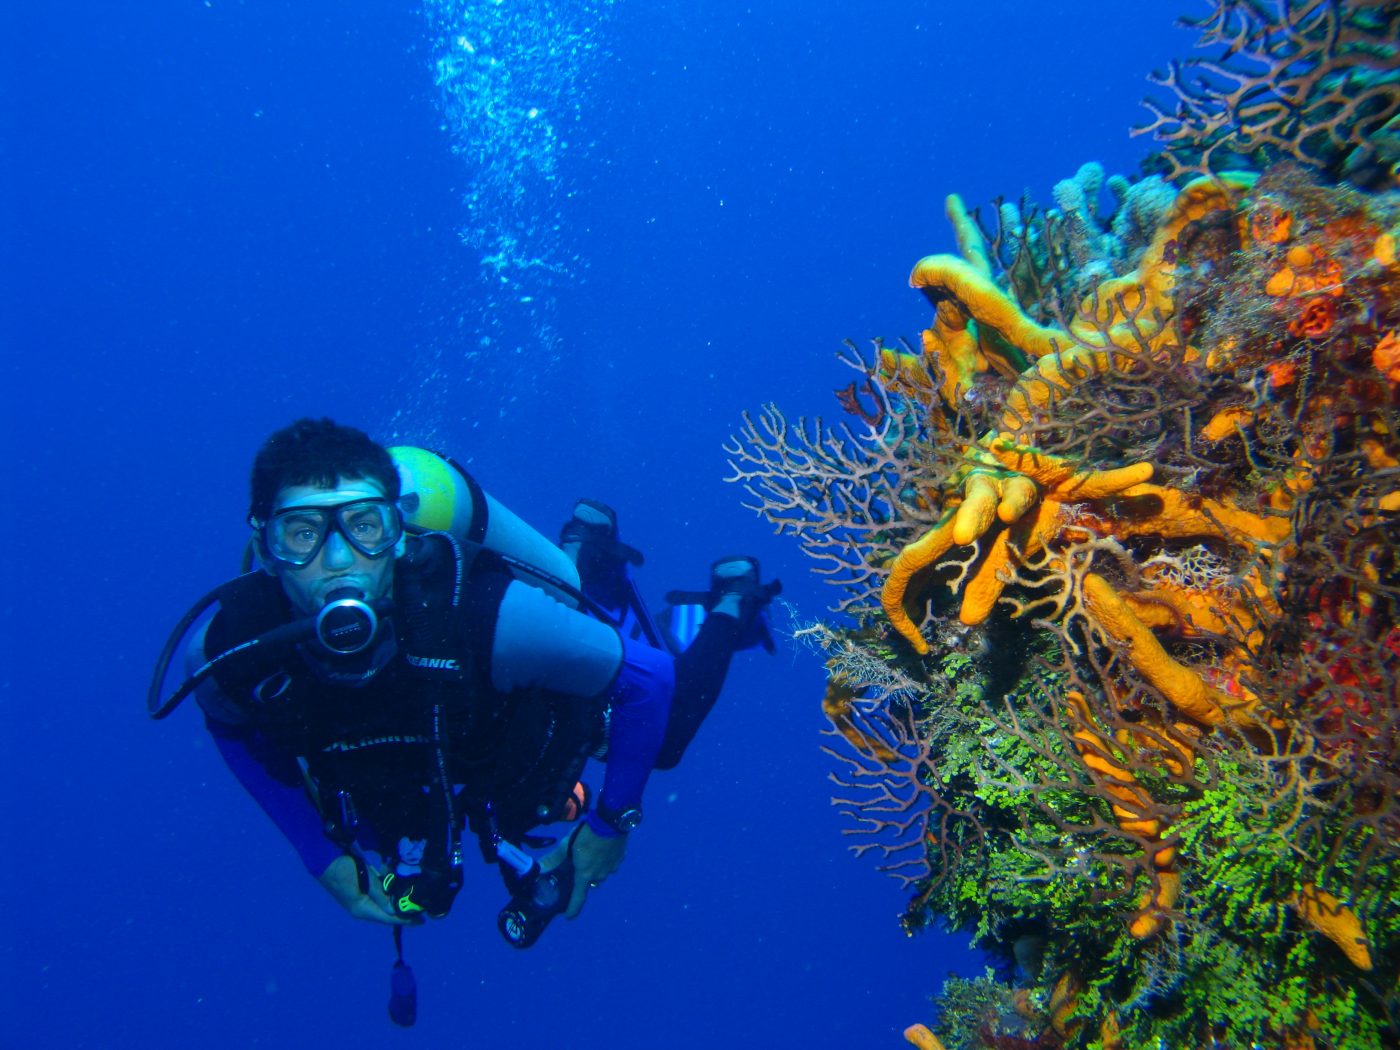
(295, 535)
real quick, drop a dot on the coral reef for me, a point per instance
(1116, 685)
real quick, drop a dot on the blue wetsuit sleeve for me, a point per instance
(274, 781)
(640, 701)
(271, 777)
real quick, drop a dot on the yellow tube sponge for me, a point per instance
(1060, 477)
(971, 244)
(1156, 510)
(1025, 538)
(961, 294)
(944, 277)
(1179, 684)
(920, 554)
(919, 1036)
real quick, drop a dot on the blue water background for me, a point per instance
(220, 216)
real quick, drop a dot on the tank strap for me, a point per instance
(446, 597)
(476, 532)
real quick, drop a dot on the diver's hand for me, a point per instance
(342, 882)
(595, 858)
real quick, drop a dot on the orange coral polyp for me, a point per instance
(1269, 223)
(1315, 322)
(1282, 373)
(1328, 278)
(1281, 283)
(1301, 256)
(1386, 356)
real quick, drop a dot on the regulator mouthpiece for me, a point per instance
(347, 624)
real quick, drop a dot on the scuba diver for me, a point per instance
(411, 661)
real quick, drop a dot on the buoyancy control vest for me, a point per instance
(428, 718)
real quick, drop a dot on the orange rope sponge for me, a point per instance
(1335, 921)
(918, 1035)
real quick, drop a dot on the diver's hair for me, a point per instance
(316, 452)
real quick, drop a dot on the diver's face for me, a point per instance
(337, 564)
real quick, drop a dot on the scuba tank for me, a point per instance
(439, 496)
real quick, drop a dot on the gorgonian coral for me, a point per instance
(1315, 82)
(1120, 692)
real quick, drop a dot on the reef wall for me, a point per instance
(1115, 684)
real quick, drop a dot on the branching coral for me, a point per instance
(888, 764)
(1312, 81)
(863, 484)
(1124, 575)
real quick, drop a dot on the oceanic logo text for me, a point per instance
(433, 663)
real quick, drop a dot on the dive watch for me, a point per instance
(624, 820)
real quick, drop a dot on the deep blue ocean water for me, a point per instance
(218, 216)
